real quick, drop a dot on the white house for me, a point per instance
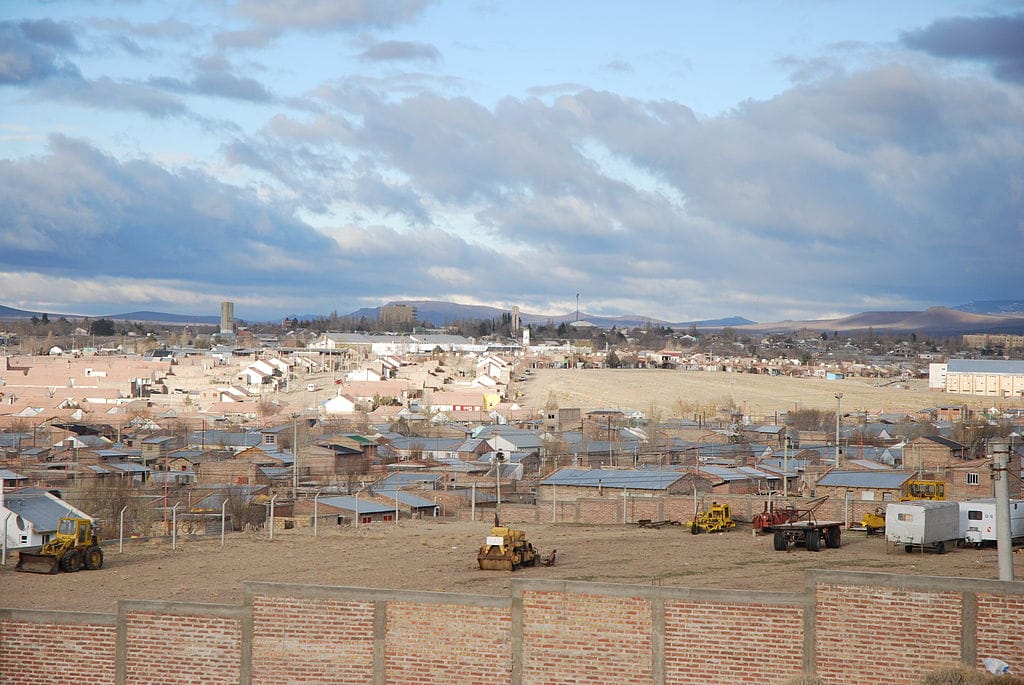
(34, 514)
(339, 404)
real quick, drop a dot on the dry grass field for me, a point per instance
(680, 393)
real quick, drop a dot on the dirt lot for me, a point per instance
(441, 556)
(758, 395)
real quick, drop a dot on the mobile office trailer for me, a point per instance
(978, 521)
(923, 524)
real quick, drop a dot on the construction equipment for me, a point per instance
(917, 490)
(772, 515)
(874, 521)
(716, 519)
(506, 549)
(75, 546)
(925, 490)
(807, 531)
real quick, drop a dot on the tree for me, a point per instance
(611, 360)
(103, 327)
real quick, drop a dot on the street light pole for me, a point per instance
(785, 467)
(839, 413)
(499, 457)
(295, 456)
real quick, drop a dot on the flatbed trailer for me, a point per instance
(810, 535)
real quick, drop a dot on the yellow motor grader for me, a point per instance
(74, 547)
(506, 549)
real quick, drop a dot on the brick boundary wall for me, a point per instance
(845, 626)
(608, 509)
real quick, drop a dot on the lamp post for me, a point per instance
(785, 467)
(839, 413)
(499, 457)
(295, 456)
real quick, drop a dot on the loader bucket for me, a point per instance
(37, 563)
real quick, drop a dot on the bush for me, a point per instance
(953, 674)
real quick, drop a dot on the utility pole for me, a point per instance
(1001, 476)
(839, 413)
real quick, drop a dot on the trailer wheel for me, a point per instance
(813, 542)
(833, 537)
(940, 547)
(780, 543)
(908, 549)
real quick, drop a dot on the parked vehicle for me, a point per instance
(716, 519)
(923, 525)
(978, 521)
(75, 546)
(804, 530)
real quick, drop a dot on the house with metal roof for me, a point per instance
(573, 483)
(357, 510)
(411, 504)
(32, 516)
(864, 486)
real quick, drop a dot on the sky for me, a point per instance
(679, 160)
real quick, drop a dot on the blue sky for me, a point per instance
(680, 160)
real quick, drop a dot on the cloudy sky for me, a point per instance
(680, 160)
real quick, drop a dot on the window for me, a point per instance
(973, 479)
(973, 515)
(269, 439)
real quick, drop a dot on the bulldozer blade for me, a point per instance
(37, 563)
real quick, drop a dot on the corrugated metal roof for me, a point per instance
(732, 474)
(406, 498)
(644, 479)
(406, 479)
(891, 480)
(43, 510)
(350, 503)
(985, 366)
(129, 467)
(7, 474)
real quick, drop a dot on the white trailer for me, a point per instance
(923, 524)
(978, 521)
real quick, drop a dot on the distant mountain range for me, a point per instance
(982, 316)
(444, 313)
(933, 321)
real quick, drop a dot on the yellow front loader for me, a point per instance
(74, 547)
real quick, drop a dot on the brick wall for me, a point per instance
(847, 626)
(1000, 627)
(571, 637)
(163, 640)
(887, 633)
(52, 646)
(310, 639)
(447, 643)
(712, 642)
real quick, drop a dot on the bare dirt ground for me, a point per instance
(640, 389)
(440, 556)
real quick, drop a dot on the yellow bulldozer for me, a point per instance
(874, 521)
(716, 519)
(506, 549)
(75, 546)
